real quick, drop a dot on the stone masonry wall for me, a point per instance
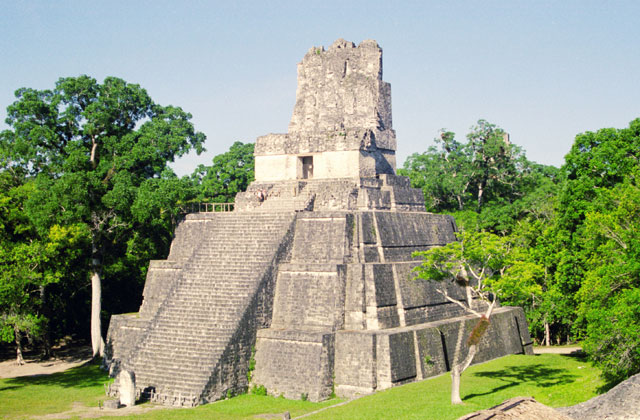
(295, 356)
(341, 121)
(342, 88)
(366, 361)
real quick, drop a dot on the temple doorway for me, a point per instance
(307, 167)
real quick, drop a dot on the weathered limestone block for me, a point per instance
(395, 358)
(125, 330)
(341, 125)
(309, 298)
(499, 340)
(111, 404)
(161, 278)
(355, 364)
(355, 298)
(338, 194)
(431, 352)
(356, 139)
(127, 388)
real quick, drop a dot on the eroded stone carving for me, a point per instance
(127, 388)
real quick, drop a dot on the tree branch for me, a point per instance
(457, 302)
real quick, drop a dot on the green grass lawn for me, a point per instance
(552, 379)
(240, 407)
(54, 393)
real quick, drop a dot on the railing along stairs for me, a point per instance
(207, 207)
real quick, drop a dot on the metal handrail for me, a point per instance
(208, 207)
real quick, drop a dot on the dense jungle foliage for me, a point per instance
(87, 199)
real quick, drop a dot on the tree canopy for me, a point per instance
(231, 173)
(486, 182)
(89, 147)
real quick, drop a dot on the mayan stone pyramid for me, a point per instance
(310, 276)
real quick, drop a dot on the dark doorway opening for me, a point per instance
(307, 167)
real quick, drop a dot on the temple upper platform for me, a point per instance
(341, 125)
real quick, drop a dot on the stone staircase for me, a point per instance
(287, 196)
(201, 328)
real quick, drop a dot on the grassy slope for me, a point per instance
(552, 379)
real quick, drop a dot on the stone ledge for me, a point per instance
(295, 267)
(307, 335)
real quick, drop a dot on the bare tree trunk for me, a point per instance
(457, 370)
(474, 339)
(547, 333)
(18, 336)
(97, 343)
(46, 336)
(455, 385)
(480, 192)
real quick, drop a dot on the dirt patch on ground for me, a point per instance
(84, 412)
(66, 356)
(558, 350)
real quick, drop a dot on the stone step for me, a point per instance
(187, 343)
(165, 386)
(207, 332)
(184, 361)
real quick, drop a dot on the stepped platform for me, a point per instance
(348, 316)
(202, 307)
(312, 269)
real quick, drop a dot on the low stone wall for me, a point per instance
(367, 361)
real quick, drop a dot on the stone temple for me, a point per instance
(306, 287)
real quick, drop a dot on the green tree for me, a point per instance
(29, 263)
(531, 283)
(90, 147)
(231, 173)
(483, 182)
(26, 269)
(477, 262)
(598, 161)
(19, 261)
(610, 293)
(443, 173)
(497, 164)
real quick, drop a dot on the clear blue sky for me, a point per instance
(542, 70)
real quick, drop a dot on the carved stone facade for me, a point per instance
(313, 269)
